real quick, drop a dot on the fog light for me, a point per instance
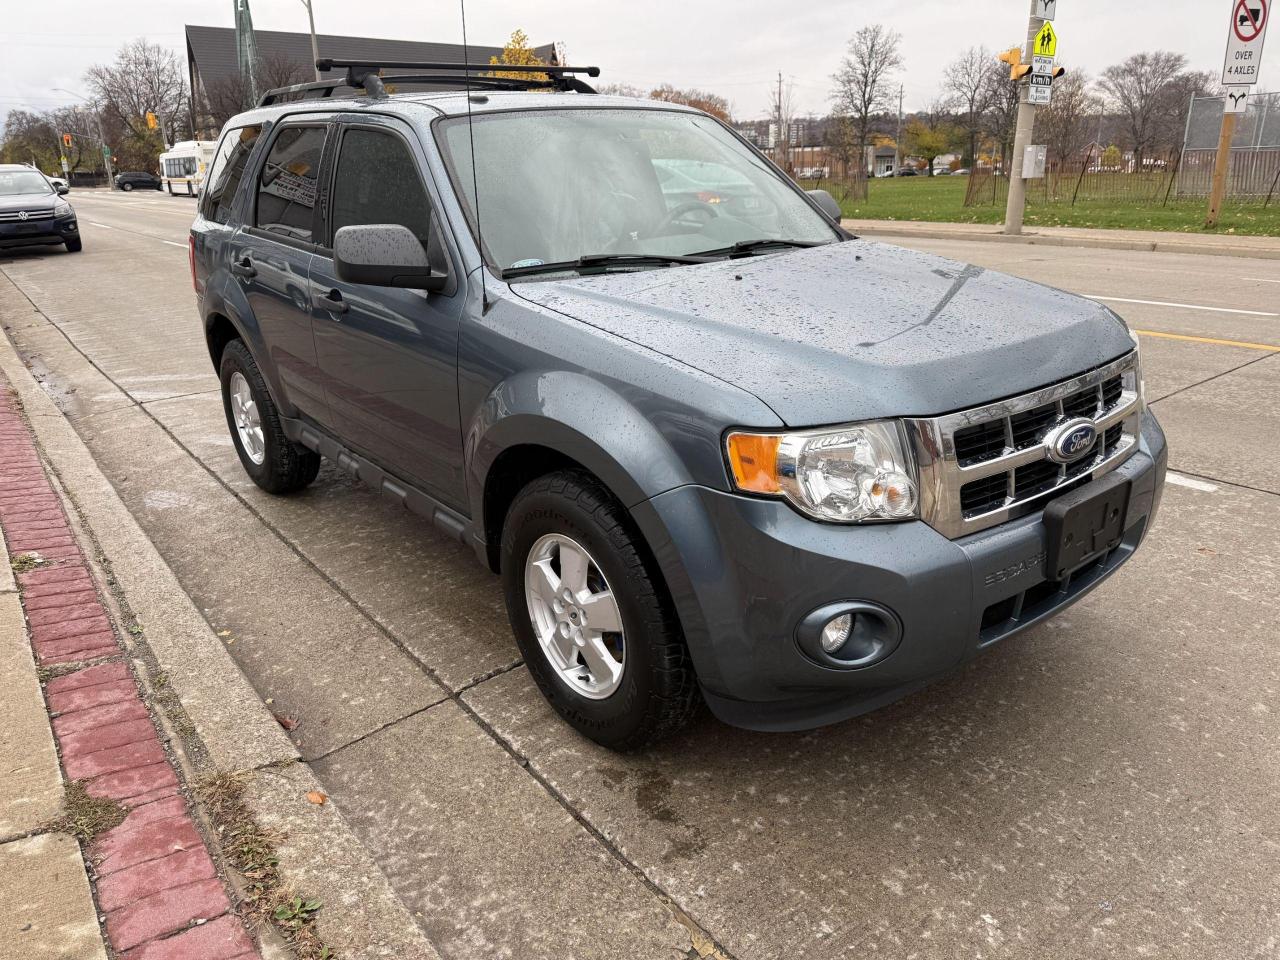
(836, 632)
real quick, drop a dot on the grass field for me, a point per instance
(942, 199)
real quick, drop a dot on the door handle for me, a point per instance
(244, 268)
(331, 301)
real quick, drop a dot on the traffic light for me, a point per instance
(1013, 57)
(66, 139)
(151, 120)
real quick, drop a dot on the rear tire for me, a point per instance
(126, 187)
(656, 690)
(272, 461)
(75, 246)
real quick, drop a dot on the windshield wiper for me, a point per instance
(602, 261)
(745, 248)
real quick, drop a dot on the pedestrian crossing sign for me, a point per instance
(1046, 44)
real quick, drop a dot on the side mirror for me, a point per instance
(826, 203)
(62, 189)
(385, 255)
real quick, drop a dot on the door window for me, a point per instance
(287, 185)
(228, 169)
(377, 181)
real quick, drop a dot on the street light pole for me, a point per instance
(315, 50)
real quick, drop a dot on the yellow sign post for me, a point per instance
(1046, 42)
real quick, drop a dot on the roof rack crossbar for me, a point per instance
(366, 75)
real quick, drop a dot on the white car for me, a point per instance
(57, 181)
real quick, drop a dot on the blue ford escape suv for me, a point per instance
(714, 445)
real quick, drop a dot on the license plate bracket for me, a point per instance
(1085, 523)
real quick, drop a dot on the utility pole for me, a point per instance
(1218, 190)
(780, 148)
(897, 139)
(102, 140)
(1022, 133)
(315, 50)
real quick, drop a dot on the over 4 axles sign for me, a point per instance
(1244, 41)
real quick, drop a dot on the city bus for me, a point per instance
(182, 168)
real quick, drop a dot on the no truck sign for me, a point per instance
(1247, 31)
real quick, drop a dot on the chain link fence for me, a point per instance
(1254, 171)
(1111, 176)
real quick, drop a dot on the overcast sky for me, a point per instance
(734, 48)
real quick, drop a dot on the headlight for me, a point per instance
(62, 209)
(852, 474)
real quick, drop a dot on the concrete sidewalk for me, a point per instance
(123, 735)
(1216, 245)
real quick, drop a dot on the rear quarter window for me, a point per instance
(227, 171)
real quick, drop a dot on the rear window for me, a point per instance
(226, 172)
(287, 186)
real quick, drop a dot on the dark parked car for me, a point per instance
(137, 180)
(718, 450)
(907, 172)
(32, 211)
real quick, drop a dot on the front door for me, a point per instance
(271, 258)
(389, 356)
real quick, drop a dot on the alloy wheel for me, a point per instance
(244, 412)
(575, 616)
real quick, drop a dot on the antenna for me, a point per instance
(475, 180)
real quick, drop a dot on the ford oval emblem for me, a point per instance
(1072, 440)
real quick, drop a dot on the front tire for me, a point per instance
(126, 187)
(272, 461)
(591, 615)
(74, 246)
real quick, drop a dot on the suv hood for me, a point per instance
(28, 201)
(850, 331)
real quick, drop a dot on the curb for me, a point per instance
(922, 230)
(234, 727)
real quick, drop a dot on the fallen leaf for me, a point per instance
(224, 633)
(318, 798)
(287, 722)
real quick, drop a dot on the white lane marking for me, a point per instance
(173, 243)
(102, 225)
(1182, 481)
(1260, 280)
(1183, 306)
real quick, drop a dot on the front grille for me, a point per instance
(8, 216)
(983, 466)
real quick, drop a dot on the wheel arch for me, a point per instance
(539, 422)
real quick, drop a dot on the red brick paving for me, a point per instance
(156, 886)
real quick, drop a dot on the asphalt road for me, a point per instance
(1102, 786)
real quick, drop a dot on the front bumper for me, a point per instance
(743, 572)
(28, 233)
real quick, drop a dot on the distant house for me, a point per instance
(881, 160)
(213, 66)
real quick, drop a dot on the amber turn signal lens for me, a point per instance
(754, 461)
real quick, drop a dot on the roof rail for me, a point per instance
(367, 76)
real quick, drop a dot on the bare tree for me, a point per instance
(783, 110)
(711, 103)
(965, 78)
(862, 82)
(145, 78)
(1066, 123)
(225, 98)
(1002, 110)
(1139, 90)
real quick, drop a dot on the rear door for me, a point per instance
(389, 356)
(271, 256)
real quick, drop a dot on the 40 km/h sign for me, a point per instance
(1244, 41)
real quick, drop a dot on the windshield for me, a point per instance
(14, 182)
(556, 185)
